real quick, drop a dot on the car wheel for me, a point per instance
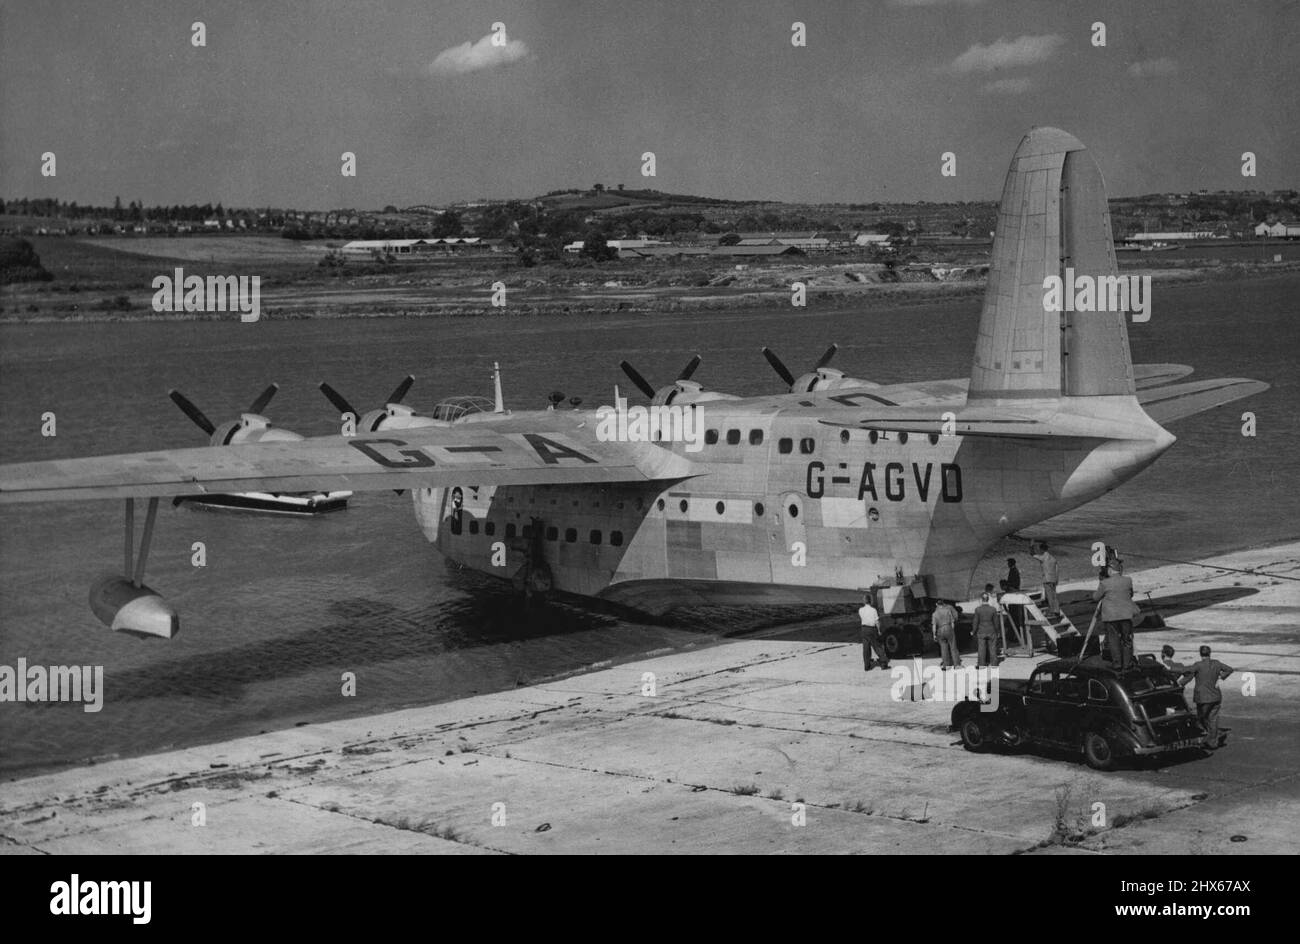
(974, 735)
(1098, 751)
(893, 644)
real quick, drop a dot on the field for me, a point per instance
(218, 250)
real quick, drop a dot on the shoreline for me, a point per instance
(607, 768)
(399, 302)
(794, 625)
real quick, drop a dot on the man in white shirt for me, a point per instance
(1051, 576)
(871, 636)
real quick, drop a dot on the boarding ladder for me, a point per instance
(1036, 618)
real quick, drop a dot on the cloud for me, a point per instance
(484, 54)
(1153, 68)
(1009, 87)
(1008, 53)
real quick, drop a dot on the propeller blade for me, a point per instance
(826, 358)
(689, 369)
(637, 379)
(263, 399)
(340, 404)
(781, 370)
(192, 411)
(402, 388)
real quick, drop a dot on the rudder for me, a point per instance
(1053, 217)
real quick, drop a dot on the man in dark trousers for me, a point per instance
(870, 619)
(1208, 673)
(1115, 591)
(944, 624)
(986, 631)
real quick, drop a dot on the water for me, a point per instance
(284, 607)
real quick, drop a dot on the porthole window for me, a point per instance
(660, 503)
(552, 533)
(872, 437)
(934, 439)
(683, 505)
(785, 446)
(510, 529)
(721, 506)
(759, 509)
(844, 435)
(571, 535)
(595, 537)
(528, 531)
(473, 526)
(806, 446)
(710, 437)
(902, 437)
(873, 514)
(756, 437)
(616, 538)
(794, 511)
(733, 437)
(490, 528)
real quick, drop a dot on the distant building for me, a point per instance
(1170, 237)
(1282, 229)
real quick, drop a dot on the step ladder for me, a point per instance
(1037, 620)
(1052, 629)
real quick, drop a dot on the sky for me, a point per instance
(573, 93)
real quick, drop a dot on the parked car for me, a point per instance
(1085, 706)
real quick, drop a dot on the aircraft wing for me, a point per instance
(1166, 404)
(425, 457)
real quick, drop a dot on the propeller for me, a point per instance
(644, 385)
(252, 427)
(192, 411)
(205, 424)
(784, 372)
(341, 404)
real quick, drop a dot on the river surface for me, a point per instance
(285, 607)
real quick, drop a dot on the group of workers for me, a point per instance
(1115, 609)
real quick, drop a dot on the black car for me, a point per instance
(1085, 706)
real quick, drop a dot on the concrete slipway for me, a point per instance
(716, 760)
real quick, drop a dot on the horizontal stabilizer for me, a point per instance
(1166, 404)
(1152, 375)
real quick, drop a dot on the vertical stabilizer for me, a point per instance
(1053, 220)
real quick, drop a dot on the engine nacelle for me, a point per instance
(394, 416)
(122, 606)
(827, 378)
(686, 391)
(251, 428)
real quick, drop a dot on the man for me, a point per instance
(871, 636)
(1208, 673)
(1167, 660)
(944, 624)
(1011, 584)
(986, 631)
(1051, 576)
(1115, 592)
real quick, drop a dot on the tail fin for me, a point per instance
(1053, 217)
